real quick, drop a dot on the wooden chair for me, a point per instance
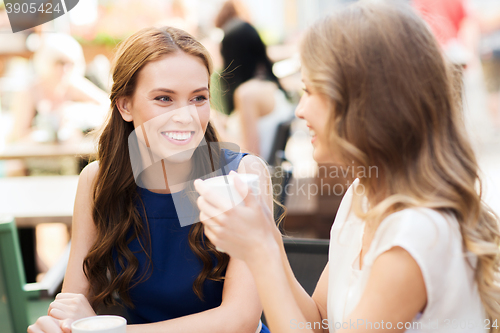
(21, 303)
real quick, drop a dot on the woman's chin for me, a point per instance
(319, 156)
(323, 157)
(180, 157)
(171, 153)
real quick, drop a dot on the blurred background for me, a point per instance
(54, 85)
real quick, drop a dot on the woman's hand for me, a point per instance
(46, 324)
(241, 231)
(68, 308)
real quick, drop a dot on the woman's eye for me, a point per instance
(163, 99)
(306, 91)
(200, 98)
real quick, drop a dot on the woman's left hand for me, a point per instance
(240, 231)
(68, 307)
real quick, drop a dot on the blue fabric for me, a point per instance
(264, 329)
(168, 292)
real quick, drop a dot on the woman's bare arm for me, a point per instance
(253, 99)
(83, 233)
(72, 303)
(313, 309)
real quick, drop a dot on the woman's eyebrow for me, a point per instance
(200, 89)
(173, 92)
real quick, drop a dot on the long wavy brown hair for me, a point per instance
(395, 105)
(115, 210)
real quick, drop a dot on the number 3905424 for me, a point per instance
(32, 8)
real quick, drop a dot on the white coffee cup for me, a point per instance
(100, 324)
(223, 187)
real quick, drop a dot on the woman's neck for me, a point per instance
(165, 177)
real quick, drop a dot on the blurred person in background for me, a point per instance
(447, 19)
(58, 81)
(180, 15)
(413, 247)
(253, 96)
(487, 13)
(232, 17)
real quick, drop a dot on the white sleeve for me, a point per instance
(432, 240)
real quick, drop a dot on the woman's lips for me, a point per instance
(313, 134)
(179, 138)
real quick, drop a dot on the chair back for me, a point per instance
(280, 139)
(13, 302)
(280, 176)
(308, 258)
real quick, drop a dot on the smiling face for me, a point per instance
(170, 105)
(314, 108)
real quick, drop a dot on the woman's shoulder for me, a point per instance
(232, 159)
(434, 241)
(248, 90)
(421, 220)
(430, 236)
(89, 173)
(251, 159)
(91, 169)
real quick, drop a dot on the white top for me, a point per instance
(433, 240)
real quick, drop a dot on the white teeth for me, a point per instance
(312, 132)
(179, 136)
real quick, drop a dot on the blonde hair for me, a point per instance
(395, 105)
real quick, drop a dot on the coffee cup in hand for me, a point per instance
(224, 189)
(100, 324)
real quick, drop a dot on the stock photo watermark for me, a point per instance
(27, 14)
(329, 180)
(429, 324)
(170, 151)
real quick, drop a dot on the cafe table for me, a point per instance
(84, 148)
(33, 200)
(38, 199)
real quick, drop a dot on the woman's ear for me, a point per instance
(123, 103)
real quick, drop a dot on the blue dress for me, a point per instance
(168, 292)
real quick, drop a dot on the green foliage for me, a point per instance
(101, 38)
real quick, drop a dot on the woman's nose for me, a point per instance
(183, 117)
(299, 111)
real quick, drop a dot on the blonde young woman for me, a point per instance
(413, 247)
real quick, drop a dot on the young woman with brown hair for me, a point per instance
(128, 239)
(413, 247)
